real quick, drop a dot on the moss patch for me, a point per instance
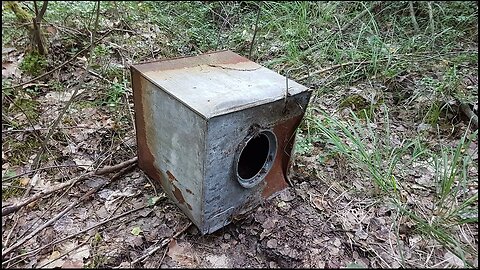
(33, 64)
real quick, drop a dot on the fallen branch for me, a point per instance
(470, 114)
(66, 210)
(6, 179)
(109, 169)
(360, 15)
(75, 234)
(58, 67)
(114, 168)
(66, 253)
(39, 129)
(165, 242)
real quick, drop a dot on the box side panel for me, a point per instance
(171, 146)
(225, 198)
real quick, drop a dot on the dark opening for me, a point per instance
(253, 156)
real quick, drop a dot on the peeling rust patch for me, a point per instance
(171, 178)
(178, 194)
(146, 160)
(276, 178)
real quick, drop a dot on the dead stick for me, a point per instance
(14, 208)
(255, 31)
(60, 66)
(360, 15)
(36, 160)
(38, 129)
(43, 168)
(110, 169)
(76, 234)
(66, 210)
(163, 244)
(66, 253)
(163, 257)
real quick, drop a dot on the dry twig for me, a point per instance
(66, 253)
(165, 242)
(13, 208)
(36, 160)
(255, 31)
(334, 67)
(58, 67)
(345, 26)
(66, 210)
(76, 234)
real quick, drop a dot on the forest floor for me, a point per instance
(385, 171)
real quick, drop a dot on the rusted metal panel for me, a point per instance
(170, 145)
(225, 133)
(216, 131)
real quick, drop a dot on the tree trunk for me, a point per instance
(38, 40)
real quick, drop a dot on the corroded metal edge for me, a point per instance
(213, 58)
(145, 156)
(146, 159)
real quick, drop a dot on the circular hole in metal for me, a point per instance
(256, 158)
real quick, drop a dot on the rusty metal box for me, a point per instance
(216, 131)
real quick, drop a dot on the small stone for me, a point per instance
(361, 234)
(337, 242)
(282, 204)
(273, 265)
(226, 236)
(272, 243)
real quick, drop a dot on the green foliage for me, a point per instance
(28, 107)
(303, 144)
(373, 153)
(115, 94)
(21, 151)
(12, 190)
(33, 63)
(452, 178)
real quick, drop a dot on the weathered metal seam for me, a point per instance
(205, 153)
(170, 59)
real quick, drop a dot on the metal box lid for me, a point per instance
(218, 83)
